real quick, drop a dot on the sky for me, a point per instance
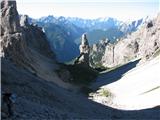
(120, 9)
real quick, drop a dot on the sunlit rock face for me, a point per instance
(143, 43)
(12, 43)
(9, 22)
(84, 52)
(20, 42)
(24, 20)
(120, 53)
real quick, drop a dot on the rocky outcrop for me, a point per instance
(13, 45)
(61, 35)
(35, 37)
(26, 45)
(149, 37)
(9, 22)
(97, 52)
(120, 53)
(25, 48)
(84, 52)
(143, 43)
(24, 20)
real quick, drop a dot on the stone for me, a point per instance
(9, 17)
(84, 52)
(143, 43)
(97, 52)
(24, 20)
(150, 24)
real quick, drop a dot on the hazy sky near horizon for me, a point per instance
(120, 9)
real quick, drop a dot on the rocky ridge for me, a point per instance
(143, 43)
(97, 51)
(26, 45)
(28, 73)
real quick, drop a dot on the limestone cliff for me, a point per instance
(30, 85)
(97, 52)
(84, 52)
(13, 45)
(26, 45)
(143, 43)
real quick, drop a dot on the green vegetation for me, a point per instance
(100, 68)
(95, 61)
(151, 90)
(157, 53)
(105, 93)
(82, 75)
(113, 68)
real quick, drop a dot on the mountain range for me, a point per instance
(64, 33)
(34, 86)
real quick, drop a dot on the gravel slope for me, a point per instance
(138, 88)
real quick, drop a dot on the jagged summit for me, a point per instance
(15, 43)
(7, 8)
(24, 20)
(143, 43)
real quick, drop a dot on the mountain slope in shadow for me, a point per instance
(113, 75)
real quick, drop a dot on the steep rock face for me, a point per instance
(150, 41)
(26, 45)
(120, 53)
(35, 37)
(143, 43)
(25, 49)
(84, 52)
(13, 45)
(97, 52)
(9, 22)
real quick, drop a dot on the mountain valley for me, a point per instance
(64, 33)
(112, 73)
